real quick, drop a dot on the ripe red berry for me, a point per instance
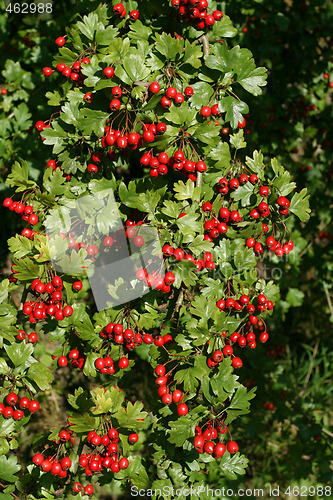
(47, 71)
(232, 447)
(89, 489)
(165, 102)
(133, 438)
(108, 72)
(134, 15)
(12, 398)
(154, 87)
(37, 459)
(237, 362)
(123, 463)
(24, 403)
(177, 396)
(242, 123)
(60, 41)
(205, 111)
(123, 363)
(62, 361)
(77, 286)
(182, 409)
(188, 92)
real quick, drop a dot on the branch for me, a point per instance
(206, 52)
(315, 350)
(328, 297)
(14, 496)
(177, 306)
(205, 44)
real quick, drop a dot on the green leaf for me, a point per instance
(54, 182)
(233, 465)
(83, 422)
(255, 164)
(237, 140)
(22, 117)
(243, 194)
(93, 121)
(224, 28)
(183, 427)
(27, 270)
(240, 403)
(89, 25)
(106, 36)
(207, 132)
(234, 110)
(202, 92)
(169, 46)
(299, 205)
(4, 368)
(295, 297)
(135, 67)
(19, 353)
(41, 375)
(136, 473)
(20, 246)
(109, 400)
(131, 416)
(198, 246)
(171, 208)
(192, 55)
(19, 177)
(186, 191)
(8, 469)
(251, 78)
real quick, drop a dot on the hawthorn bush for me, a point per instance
(148, 127)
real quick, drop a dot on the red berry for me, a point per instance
(108, 72)
(154, 87)
(62, 361)
(60, 41)
(12, 398)
(232, 447)
(123, 363)
(133, 438)
(182, 409)
(205, 111)
(37, 459)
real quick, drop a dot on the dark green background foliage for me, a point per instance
(289, 119)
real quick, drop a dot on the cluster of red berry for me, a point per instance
(53, 164)
(163, 382)
(159, 164)
(50, 301)
(207, 261)
(171, 95)
(204, 440)
(12, 411)
(196, 10)
(26, 211)
(28, 337)
(53, 464)
(77, 360)
(105, 453)
(120, 10)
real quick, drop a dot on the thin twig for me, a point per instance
(206, 52)
(328, 297)
(314, 354)
(14, 496)
(177, 306)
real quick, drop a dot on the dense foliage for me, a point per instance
(155, 135)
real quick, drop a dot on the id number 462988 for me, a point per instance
(29, 8)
